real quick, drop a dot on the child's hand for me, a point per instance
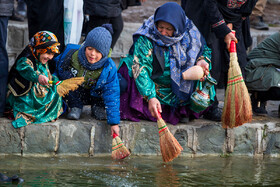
(43, 80)
(115, 129)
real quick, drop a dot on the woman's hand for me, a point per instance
(43, 80)
(230, 36)
(205, 66)
(115, 129)
(154, 107)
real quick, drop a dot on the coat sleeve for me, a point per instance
(25, 68)
(63, 63)
(108, 83)
(218, 24)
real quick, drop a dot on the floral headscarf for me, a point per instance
(43, 42)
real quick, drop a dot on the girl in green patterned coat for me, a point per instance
(29, 95)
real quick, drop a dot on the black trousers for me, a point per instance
(117, 24)
(45, 15)
(272, 94)
(81, 97)
(4, 62)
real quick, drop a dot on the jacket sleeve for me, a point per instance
(63, 63)
(25, 68)
(142, 67)
(218, 24)
(108, 83)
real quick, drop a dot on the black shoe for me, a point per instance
(98, 112)
(279, 111)
(16, 17)
(214, 114)
(258, 108)
(259, 24)
(74, 113)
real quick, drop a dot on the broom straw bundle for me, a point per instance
(237, 105)
(169, 146)
(119, 151)
(63, 87)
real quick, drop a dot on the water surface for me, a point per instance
(142, 171)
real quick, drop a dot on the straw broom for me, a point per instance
(237, 106)
(63, 87)
(169, 146)
(119, 151)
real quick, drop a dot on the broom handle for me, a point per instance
(54, 83)
(114, 135)
(232, 48)
(159, 114)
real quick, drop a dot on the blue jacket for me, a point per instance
(107, 83)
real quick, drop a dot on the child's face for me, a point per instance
(45, 57)
(92, 55)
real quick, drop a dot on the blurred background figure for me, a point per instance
(257, 16)
(263, 73)
(19, 11)
(46, 16)
(99, 12)
(6, 10)
(73, 21)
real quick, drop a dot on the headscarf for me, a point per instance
(185, 45)
(43, 42)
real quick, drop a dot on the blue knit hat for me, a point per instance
(100, 38)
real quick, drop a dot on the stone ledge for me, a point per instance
(89, 137)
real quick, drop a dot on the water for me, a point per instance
(142, 171)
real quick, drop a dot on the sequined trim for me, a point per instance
(235, 3)
(136, 67)
(218, 23)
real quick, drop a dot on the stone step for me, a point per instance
(89, 137)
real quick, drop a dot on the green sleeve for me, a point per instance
(26, 70)
(142, 67)
(206, 54)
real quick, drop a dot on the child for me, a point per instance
(101, 87)
(29, 95)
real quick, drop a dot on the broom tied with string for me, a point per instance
(169, 146)
(64, 86)
(119, 151)
(237, 108)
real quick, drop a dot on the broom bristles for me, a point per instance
(119, 151)
(237, 105)
(169, 146)
(69, 85)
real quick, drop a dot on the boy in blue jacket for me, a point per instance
(101, 87)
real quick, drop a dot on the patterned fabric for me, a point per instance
(42, 103)
(218, 23)
(235, 3)
(43, 42)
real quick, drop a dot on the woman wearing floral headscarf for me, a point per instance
(29, 95)
(166, 45)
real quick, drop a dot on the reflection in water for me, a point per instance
(167, 176)
(142, 171)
